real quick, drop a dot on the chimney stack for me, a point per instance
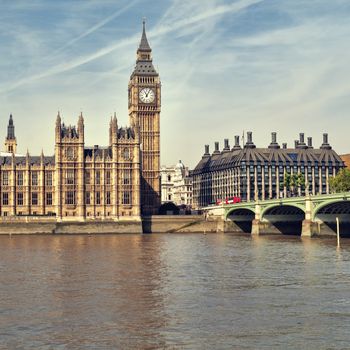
(249, 143)
(237, 145)
(273, 137)
(325, 144)
(226, 145)
(284, 145)
(249, 137)
(274, 143)
(296, 143)
(309, 142)
(301, 143)
(206, 150)
(325, 138)
(216, 148)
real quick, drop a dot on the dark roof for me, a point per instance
(22, 160)
(144, 68)
(101, 152)
(144, 45)
(288, 156)
(126, 133)
(69, 131)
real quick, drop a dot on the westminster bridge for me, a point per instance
(306, 216)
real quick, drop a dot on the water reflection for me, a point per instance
(173, 291)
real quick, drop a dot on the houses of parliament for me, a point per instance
(119, 181)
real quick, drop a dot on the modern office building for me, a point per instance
(259, 173)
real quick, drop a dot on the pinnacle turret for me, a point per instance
(144, 65)
(144, 45)
(10, 140)
(11, 129)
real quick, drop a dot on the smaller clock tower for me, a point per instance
(144, 111)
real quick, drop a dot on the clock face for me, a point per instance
(147, 95)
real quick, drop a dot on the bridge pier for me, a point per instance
(307, 225)
(256, 222)
(256, 227)
(307, 228)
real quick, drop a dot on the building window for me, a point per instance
(70, 177)
(34, 198)
(108, 197)
(5, 178)
(48, 178)
(98, 197)
(87, 198)
(98, 177)
(70, 153)
(34, 178)
(87, 177)
(126, 177)
(126, 198)
(126, 153)
(169, 178)
(5, 198)
(49, 198)
(70, 197)
(108, 177)
(20, 178)
(20, 198)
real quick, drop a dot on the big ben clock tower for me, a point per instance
(144, 112)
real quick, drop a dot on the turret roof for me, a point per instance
(144, 45)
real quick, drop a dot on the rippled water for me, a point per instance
(173, 292)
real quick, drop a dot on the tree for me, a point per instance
(293, 183)
(340, 182)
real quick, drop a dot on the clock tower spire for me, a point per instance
(144, 112)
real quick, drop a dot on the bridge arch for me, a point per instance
(326, 213)
(284, 218)
(239, 211)
(330, 205)
(271, 206)
(240, 220)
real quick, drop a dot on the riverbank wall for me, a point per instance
(181, 224)
(150, 224)
(47, 227)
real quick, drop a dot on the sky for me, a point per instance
(226, 66)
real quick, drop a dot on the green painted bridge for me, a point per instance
(307, 216)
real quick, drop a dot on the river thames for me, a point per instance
(174, 291)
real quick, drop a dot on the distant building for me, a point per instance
(167, 183)
(258, 173)
(176, 185)
(346, 159)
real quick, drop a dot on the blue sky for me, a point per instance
(225, 65)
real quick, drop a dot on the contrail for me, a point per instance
(158, 32)
(97, 26)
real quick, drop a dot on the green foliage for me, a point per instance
(294, 182)
(340, 182)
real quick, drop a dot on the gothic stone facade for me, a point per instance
(258, 173)
(82, 183)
